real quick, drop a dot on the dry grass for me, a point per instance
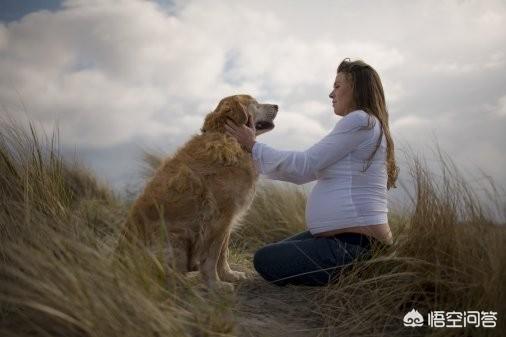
(276, 213)
(447, 256)
(59, 277)
(58, 230)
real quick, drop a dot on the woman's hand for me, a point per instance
(245, 134)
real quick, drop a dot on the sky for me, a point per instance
(121, 76)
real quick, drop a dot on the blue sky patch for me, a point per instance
(12, 10)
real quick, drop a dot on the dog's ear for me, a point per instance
(237, 112)
(228, 108)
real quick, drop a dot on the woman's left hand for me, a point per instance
(245, 135)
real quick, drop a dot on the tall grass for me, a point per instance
(59, 275)
(58, 228)
(277, 212)
(448, 255)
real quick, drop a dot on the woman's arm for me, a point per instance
(302, 166)
(274, 164)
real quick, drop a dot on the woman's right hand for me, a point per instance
(245, 134)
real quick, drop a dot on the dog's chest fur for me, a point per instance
(243, 207)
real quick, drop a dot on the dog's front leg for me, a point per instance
(209, 258)
(224, 271)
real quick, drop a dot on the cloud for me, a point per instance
(3, 36)
(110, 71)
(501, 106)
(119, 72)
(408, 122)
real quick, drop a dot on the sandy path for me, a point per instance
(265, 310)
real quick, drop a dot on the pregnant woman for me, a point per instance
(354, 166)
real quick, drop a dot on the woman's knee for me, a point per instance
(266, 264)
(261, 259)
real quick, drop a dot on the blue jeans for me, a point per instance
(304, 259)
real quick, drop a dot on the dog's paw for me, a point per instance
(232, 276)
(221, 286)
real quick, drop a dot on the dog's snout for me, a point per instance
(272, 114)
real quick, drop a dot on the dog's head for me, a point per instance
(238, 108)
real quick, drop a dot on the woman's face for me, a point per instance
(342, 95)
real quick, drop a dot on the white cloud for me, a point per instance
(491, 19)
(408, 121)
(298, 131)
(313, 108)
(501, 106)
(115, 71)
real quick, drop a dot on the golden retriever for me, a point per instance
(198, 195)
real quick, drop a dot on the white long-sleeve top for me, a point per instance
(344, 196)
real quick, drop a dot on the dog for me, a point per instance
(198, 195)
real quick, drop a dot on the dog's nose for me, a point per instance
(275, 107)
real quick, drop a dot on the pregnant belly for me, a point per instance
(328, 201)
(330, 208)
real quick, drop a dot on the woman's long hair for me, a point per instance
(368, 95)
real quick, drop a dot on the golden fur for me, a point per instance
(199, 194)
